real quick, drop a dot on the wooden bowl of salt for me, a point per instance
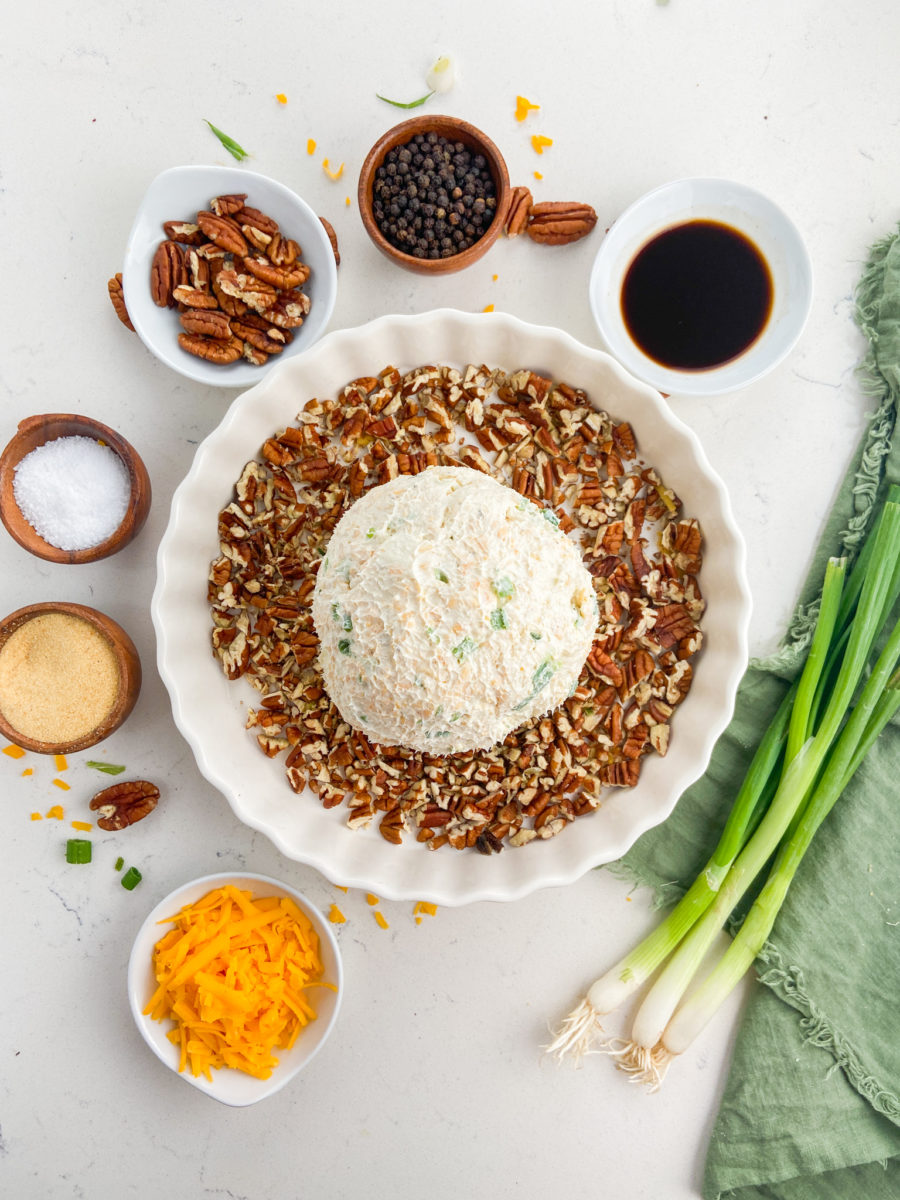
(69, 676)
(72, 490)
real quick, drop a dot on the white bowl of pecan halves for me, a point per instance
(225, 272)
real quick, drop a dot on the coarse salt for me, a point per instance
(73, 491)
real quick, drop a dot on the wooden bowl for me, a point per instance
(454, 130)
(34, 432)
(129, 665)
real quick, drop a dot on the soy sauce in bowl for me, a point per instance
(697, 295)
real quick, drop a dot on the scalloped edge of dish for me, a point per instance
(298, 825)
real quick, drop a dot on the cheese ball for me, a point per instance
(450, 611)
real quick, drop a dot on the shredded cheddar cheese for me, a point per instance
(328, 171)
(347, 201)
(423, 906)
(85, 826)
(524, 107)
(232, 974)
(370, 899)
(56, 812)
(488, 308)
(36, 817)
(538, 141)
(382, 922)
(311, 146)
(335, 916)
(61, 783)
(341, 889)
(538, 175)
(60, 761)
(281, 97)
(28, 771)
(14, 751)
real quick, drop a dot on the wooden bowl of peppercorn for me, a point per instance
(432, 194)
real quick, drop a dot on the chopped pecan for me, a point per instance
(117, 296)
(124, 804)
(556, 223)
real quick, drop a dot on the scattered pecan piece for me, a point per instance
(520, 201)
(117, 296)
(332, 237)
(557, 223)
(124, 804)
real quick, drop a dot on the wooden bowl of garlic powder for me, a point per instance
(69, 676)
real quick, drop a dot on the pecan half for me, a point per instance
(185, 232)
(202, 320)
(227, 206)
(117, 296)
(332, 237)
(256, 293)
(194, 297)
(257, 239)
(256, 331)
(557, 223)
(223, 231)
(282, 251)
(259, 220)
(520, 201)
(211, 349)
(124, 804)
(283, 279)
(167, 272)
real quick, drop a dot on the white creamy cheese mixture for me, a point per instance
(450, 611)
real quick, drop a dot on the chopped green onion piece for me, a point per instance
(503, 588)
(120, 863)
(371, 533)
(411, 104)
(78, 850)
(229, 143)
(550, 517)
(344, 645)
(463, 650)
(499, 619)
(537, 636)
(131, 879)
(106, 768)
(442, 576)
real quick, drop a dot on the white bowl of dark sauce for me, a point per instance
(701, 287)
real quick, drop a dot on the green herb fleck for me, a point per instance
(537, 636)
(456, 717)
(499, 619)
(106, 768)
(442, 576)
(229, 143)
(410, 104)
(343, 618)
(344, 645)
(503, 588)
(550, 516)
(131, 879)
(464, 649)
(371, 533)
(119, 863)
(539, 680)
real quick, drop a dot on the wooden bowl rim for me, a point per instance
(127, 660)
(27, 438)
(442, 125)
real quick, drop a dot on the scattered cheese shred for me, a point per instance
(311, 146)
(538, 175)
(328, 171)
(495, 278)
(341, 889)
(370, 899)
(36, 817)
(14, 751)
(488, 308)
(232, 975)
(86, 826)
(61, 763)
(424, 906)
(538, 141)
(56, 812)
(335, 916)
(281, 97)
(524, 107)
(347, 201)
(380, 919)
(28, 771)
(61, 783)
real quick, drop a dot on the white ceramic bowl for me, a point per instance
(210, 711)
(232, 1087)
(178, 195)
(754, 215)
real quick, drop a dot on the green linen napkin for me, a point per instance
(811, 1109)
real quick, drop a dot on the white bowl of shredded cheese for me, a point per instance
(211, 711)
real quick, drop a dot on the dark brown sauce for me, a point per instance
(697, 295)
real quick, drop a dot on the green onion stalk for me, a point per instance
(801, 766)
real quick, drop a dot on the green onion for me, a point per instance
(503, 588)
(463, 649)
(442, 576)
(802, 765)
(344, 645)
(550, 517)
(120, 863)
(131, 879)
(78, 850)
(410, 104)
(229, 143)
(106, 768)
(499, 619)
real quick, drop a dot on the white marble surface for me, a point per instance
(432, 1083)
